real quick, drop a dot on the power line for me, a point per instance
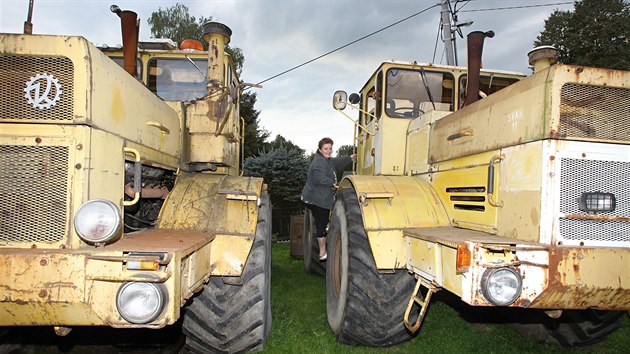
(519, 7)
(400, 21)
(348, 44)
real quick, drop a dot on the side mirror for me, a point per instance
(355, 98)
(340, 98)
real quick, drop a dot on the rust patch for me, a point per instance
(564, 268)
(597, 217)
(584, 127)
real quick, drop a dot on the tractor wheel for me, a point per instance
(575, 328)
(235, 317)
(10, 342)
(364, 307)
(312, 264)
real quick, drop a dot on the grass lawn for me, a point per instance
(298, 302)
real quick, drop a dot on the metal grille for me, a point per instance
(17, 71)
(594, 112)
(578, 176)
(33, 193)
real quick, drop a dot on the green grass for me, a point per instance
(298, 302)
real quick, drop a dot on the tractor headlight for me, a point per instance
(597, 202)
(97, 221)
(501, 286)
(140, 302)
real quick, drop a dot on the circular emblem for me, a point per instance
(43, 91)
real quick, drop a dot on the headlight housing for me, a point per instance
(98, 221)
(597, 202)
(501, 286)
(139, 302)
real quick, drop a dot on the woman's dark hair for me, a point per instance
(323, 142)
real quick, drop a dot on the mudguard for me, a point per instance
(390, 204)
(226, 206)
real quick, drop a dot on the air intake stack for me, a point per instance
(542, 57)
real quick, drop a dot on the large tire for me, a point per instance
(575, 328)
(312, 264)
(9, 341)
(228, 318)
(363, 306)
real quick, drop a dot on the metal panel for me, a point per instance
(33, 193)
(18, 71)
(588, 111)
(578, 176)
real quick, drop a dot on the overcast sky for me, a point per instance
(276, 35)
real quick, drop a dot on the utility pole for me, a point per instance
(447, 33)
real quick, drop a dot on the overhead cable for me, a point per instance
(405, 19)
(349, 44)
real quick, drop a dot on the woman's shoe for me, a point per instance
(324, 257)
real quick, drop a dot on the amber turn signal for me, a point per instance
(463, 257)
(142, 265)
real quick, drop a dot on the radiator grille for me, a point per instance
(33, 193)
(579, 176)
(594, 112)
(17, 71)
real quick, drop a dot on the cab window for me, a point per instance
(370, 103)
(119, 61)
(488, 84)
(411, 93)
(177, 79)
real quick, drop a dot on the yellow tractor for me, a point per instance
(122, 200)
(504, 190)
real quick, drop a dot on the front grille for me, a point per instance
(594, 112)
(33, 193)
(578, 176)
(17, 71)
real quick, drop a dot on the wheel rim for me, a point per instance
(336, 273)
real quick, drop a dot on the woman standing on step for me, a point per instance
(319, 192)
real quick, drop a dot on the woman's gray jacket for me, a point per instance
(320, 180)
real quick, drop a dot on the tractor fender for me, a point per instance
(222, 205)
(390, 204)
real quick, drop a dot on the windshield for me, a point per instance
(177, 79)
(410, 93)
(119, 61)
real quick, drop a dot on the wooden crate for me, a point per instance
(296, 234)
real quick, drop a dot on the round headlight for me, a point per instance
(501, 286)
(97, 221)
(140, 302)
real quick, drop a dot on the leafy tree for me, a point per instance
(284, 170)
(596, 33)
(255, 136)
(280, 141)
(345, 150)
(177, 24)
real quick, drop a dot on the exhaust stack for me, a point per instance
(130, 30)
(475, 49)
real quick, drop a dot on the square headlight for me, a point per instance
(597, 202)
